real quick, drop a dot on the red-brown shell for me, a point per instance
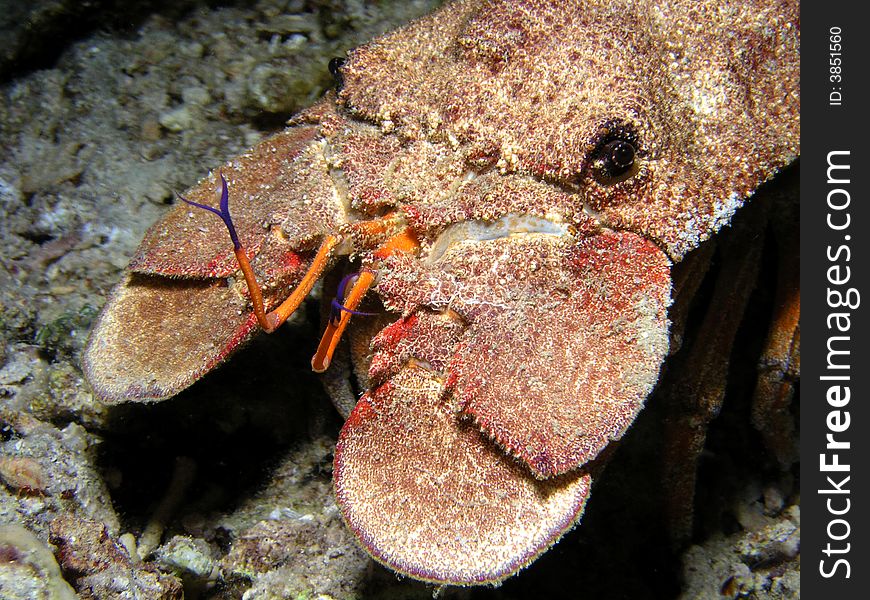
(431, 497)
(533, 318)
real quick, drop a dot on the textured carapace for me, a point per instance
(550, 159)
(708, 89)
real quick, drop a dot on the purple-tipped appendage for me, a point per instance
(223, 213)
(338, 307)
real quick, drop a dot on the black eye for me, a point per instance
(621, 155)
(614, 160)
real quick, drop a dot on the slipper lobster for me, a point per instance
(513, 181)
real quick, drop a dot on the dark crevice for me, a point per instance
(269, 122)
(35, 34)
(237, 425)
(37, 237)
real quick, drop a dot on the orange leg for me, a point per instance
(271, 321)
(315, 271)
(332, 335)
(403, 242)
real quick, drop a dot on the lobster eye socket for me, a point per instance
(614, 161)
